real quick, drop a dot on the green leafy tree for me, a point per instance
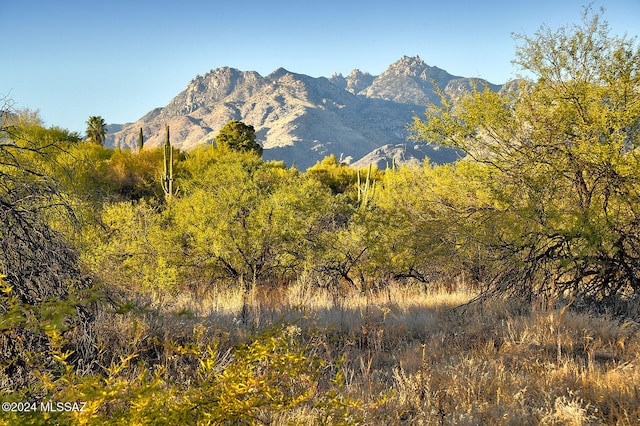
(249, 221)
(339, 177)
(96, 130)
(135, 246)
(238, 136)
(420, 230)
(559, 154)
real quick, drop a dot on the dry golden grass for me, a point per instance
(411, 357)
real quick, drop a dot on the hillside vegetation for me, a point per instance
(499, 289)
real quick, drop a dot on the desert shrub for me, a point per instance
(37, 260)
(258, 382)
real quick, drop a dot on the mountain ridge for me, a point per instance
(301, 119)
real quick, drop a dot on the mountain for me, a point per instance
(302, 119)
(405, 154)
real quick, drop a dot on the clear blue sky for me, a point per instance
(70, 59)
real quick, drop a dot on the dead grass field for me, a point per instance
(412, 356)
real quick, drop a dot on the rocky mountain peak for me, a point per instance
(301, 119)
(409, 80)
(415, 68)
(355, 82)
(357, 74)
(280, 72)
(219, 85)
(408, 65)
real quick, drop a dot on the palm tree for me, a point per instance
(96, 129)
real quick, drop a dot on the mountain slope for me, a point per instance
(301, 119)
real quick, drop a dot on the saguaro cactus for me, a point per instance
(140, 141)
(366, 191)
(167, 177)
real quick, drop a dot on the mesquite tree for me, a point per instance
(560, 160)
